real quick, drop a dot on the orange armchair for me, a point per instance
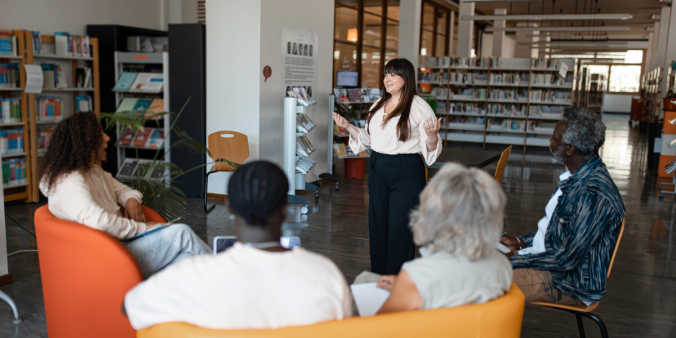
(85, 275)
(500, 317)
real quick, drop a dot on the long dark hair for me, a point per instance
(403, 68)
(71, 147)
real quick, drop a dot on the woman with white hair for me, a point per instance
(458, 227)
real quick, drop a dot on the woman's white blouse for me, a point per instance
(386, 141)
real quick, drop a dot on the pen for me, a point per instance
(504, 233)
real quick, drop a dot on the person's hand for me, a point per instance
(340, 121)
(509, 254)
(133, 210)
(387, 282)
(511, 242)
(150, 225)
(432, 126)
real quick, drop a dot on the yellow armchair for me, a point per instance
(500, 317)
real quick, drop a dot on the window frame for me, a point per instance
(447, 30)
(360, 38)
(610, 70)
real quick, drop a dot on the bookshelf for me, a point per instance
(155, 63)
(498, 101)
(69, 95)
(652, 84)
(596, 87)
(21, 189)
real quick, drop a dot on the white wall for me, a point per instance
(508, 46)
(49, 16)
(617, 103)
(242, 38)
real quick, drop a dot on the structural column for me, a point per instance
(524, 42)
(451, 32)
(409, 30)
(498, 36)
(465, 29)
(670, 48)
(663, 37)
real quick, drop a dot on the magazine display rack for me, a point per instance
(142, 92)
(297, 149)
(496, 100)
(669, 168)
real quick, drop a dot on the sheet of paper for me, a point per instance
(503, 248)
(563, 70)
(369, 298)
(33, 79)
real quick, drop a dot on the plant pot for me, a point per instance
(354, 167)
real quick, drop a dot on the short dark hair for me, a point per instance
(257, 191)
(585, 130)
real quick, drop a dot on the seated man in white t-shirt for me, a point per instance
(256, 284)
(458, 227)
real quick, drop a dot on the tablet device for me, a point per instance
(289, 242)
(157, 228)
(222, 243)
(503, 248)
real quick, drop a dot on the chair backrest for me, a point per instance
(502, 163)
(500, 317)
(85, 275)
(617, 245)
(230, 145)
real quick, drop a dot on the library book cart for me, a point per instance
(73, 94)
(513, 101)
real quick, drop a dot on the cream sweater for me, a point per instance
(93, 199)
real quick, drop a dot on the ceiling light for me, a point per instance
(542, 17)
(580, 43)
(560, 29)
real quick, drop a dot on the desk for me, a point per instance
(476, 158)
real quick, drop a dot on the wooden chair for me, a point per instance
(583, 310)
(502, 162)
(229, 145)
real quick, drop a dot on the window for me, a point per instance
(366, 34)
(622, 70)
(434, 30)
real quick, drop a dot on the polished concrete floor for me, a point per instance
(641, 297)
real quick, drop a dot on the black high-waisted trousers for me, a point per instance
(395, 183)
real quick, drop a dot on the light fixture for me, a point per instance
(656, 16)
(559, 29)
(352, 35)
(581, 43)
(542, 17)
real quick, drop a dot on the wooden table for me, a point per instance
(476, 158)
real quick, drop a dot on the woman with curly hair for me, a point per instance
(80, 191)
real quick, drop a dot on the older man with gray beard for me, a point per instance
(566, 261)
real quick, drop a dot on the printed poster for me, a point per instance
(299, 53)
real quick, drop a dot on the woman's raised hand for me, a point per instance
(340, 121)
(432, 126)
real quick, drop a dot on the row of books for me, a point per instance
(9, 75)
(468, 108)
(10, 109)
(547, 79)
(432, 61)
(140, 83)
(470, 62)
(439, 93)
(53, 76)
(547, 96)
(303, 146)
(8, 44)
(507, 109)
(146, 107)
(304, 124)
(546, 63)
(66, 44)
(509, 78)
(467, 119)
(11, 141)
(303, 95)
(433, 77)
(144, 138)
(132, 168)
(43, 140)
(502, 94)
(49, 108)
(366, 95)
(342, 150)
(510, 125)
(14, 172)
(83, 77)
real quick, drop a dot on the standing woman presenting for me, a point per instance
(400, 128)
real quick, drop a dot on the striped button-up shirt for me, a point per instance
(582, 233)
